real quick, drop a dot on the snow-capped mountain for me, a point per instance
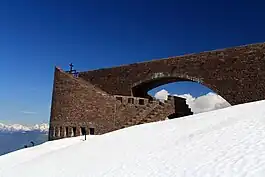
(41, 127)
(22, 128)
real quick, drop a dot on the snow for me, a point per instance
(228, 142)
(41, 127)
(18, 128)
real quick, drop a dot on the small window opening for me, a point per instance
(58, 131)
(91, 131)
(61, 131)
(53, 131)
(67, 131)
(141, 101)
(83, 130)
(74, 131)
(131, 100)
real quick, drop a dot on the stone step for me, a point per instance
(158, 107)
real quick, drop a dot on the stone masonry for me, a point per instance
(108, 99)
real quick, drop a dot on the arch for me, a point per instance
(235, 73)
(141, 88)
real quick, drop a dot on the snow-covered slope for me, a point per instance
(229, 142)
(17, 127)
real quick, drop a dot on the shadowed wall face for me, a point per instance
(237, 74)
(141, 88)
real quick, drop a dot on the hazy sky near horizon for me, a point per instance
(37, 35)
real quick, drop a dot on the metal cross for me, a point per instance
(71, 67)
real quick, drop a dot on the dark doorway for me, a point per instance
(131, 100)
(61, 131)
(57, 131)
(91, 131)
(66, 131)
(83, 130)
(141, 101)
(74, 131)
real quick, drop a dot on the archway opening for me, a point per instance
(198, 97)
(142, 89)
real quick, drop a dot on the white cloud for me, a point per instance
(28, 112)
(162, 95)
(208, 102)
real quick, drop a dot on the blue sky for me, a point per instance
(36, 36)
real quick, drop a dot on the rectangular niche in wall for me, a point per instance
(74, 131)
(141, 101)
(83, 130)
(61, 131)
(54, 131)
(91, 131)
(66, 131)
(131, 100)
(58, 131)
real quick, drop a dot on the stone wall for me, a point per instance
(77, 103)
(78, 106)
(108, 99)
(237, 74)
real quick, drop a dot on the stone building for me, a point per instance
(104, 100)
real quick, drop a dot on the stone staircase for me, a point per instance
(144, 110)
(156, 112)
(151, 110)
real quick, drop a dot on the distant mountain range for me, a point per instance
(22, 128)
(16, 136)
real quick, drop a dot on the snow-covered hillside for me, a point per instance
(229, 142)
(18, 128)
